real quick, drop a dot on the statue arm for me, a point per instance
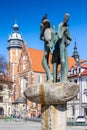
(68, 37)
(60, 34)
(67, 34)
(61, 30)
(41, 31)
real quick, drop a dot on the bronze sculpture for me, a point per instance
(60, 39)
(46, 36)
(54, 96)
(60, 54)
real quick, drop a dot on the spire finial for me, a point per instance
(15, 26)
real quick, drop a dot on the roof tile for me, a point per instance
(36, 58)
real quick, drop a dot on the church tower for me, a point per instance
(15, 43)
(76, 54)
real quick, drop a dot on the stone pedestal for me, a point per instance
(53, 97)
(54, 117)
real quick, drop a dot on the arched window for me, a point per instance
(23, 84)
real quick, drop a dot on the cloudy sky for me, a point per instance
(28, 14)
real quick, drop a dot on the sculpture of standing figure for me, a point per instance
(46, 33)
(60, 55)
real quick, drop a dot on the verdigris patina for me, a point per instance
(47, 34)
(53, 97)
(60, 40)
(60, 54)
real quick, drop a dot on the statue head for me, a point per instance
(66, 18)
(45, 21)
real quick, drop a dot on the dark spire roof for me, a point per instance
(76, 54)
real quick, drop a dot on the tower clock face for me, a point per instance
(15, 43)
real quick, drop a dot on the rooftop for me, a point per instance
(36, 59)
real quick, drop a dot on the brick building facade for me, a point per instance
(5, 96)
(24, 67)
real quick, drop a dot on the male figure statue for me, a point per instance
(46, 36)
(60, 54)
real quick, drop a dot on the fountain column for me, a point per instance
(53, 97)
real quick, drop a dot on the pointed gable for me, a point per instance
(71, 62)
(25, 61)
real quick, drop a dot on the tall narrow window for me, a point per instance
(75, 80)
(1, 87)
(79, 70)
(40, 79)
(24, 66)
(23, 84)
(1, 111)
(1, 99)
